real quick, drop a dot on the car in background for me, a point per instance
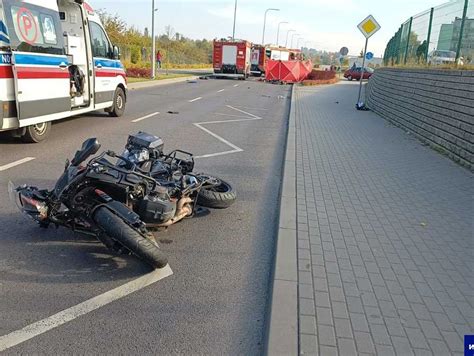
(441, 57)
(355, 73)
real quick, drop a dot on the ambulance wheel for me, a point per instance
(118, 108)
(36, 133)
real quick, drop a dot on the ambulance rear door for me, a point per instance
(40, 66)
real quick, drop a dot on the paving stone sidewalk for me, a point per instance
(384, 235)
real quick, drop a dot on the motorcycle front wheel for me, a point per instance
(130, 238)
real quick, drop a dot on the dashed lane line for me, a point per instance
(196, 99)
(40, 327)
(16, 163)
(145, 117)
(236, 85)
(220, 91)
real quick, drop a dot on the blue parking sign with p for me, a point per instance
(468, 345)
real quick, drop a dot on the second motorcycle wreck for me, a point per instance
(119, 202)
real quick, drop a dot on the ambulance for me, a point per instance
(56, 61)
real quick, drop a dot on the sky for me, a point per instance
(322, 24)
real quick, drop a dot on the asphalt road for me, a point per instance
(216, 300)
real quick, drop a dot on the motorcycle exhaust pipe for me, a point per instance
(184, 209)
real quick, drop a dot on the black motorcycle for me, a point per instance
(117, 202)
(174, 170)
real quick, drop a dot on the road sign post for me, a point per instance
(368, 27)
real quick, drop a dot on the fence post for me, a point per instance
(408, 41)
(428, 40)
(461, 31)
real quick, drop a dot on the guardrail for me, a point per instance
(437, 106)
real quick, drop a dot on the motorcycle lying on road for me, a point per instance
(118, 202)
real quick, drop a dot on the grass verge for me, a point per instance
(158, 77)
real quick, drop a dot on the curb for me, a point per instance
(156, 83)
(282, 334)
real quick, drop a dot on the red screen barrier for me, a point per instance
(288, 71)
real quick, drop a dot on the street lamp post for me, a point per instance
(278, 32)
(298, 42)
(235, 17)
(292, 37)
(287, 34)
(265, 23)
(153, 44)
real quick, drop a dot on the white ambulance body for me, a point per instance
(56, 61)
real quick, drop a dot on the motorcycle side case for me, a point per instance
(153, 210)
(144, 140)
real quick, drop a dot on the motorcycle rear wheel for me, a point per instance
(130, 238)
(220, 196)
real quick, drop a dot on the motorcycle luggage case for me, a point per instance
(144, 140)
(153, 210)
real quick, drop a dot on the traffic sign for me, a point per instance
(369, 26)
(344, 51)
(369, 56)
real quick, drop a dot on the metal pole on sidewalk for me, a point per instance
(362, 71)
(153, 45)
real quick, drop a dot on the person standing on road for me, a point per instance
(158, 59)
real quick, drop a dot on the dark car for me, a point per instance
(356, 73)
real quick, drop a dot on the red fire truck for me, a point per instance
(258, 60)
(231, 58)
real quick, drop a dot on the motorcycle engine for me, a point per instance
(157, 208)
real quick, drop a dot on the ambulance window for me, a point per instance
(100, 42)
(49, 30)
(4, 40)
(33, 28)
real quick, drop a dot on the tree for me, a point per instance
(114, 26)
(136, 45)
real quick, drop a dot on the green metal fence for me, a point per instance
(440, 35)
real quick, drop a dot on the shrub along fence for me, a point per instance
(437, 106)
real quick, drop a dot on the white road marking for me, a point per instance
(220, 91)
(219, 154)
(145, 117)
(246, 108)
(244, 112)
(236, 149)
(236, 85)
(222, 114)
(65, 316)
(192, 101)
(16, 163)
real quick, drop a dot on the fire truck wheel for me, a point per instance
(118, 107)
(36, 133)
